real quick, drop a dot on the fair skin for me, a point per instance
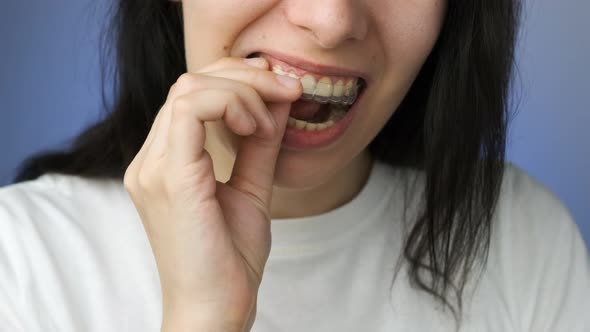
(206, 183)
(394, 36)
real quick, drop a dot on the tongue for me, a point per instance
(304, 109)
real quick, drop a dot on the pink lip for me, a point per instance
(313, 67)
(300, 139)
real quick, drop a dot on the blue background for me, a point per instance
(50, 88)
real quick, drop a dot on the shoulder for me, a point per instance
(58, 213)
(54, 195)
(26, 199)
(37, 221)
(538, 257)
(62, 185)
(529, 210)
(53, 210)
(56, 209)
(531, 220)
(59, 237)
(523, 203)
(518, 184)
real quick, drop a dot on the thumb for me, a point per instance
(254, 168)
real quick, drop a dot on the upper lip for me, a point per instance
(314, 67)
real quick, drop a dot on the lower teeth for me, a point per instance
(336, 114)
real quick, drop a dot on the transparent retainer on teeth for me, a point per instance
(343, 100)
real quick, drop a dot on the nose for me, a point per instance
(330, 22)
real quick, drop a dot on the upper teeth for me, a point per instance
(324, 90)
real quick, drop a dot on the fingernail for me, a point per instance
(287, 81)
(255, 62)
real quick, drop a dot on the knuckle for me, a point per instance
(187, 80)
(129, 179)
(250, 91)
(233, 98)
(180, 105)
(184, 84)
(174, 90)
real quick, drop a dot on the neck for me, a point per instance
(340, 189)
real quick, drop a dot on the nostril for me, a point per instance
(252, 55)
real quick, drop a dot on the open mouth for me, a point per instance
(325, 100)
(311, 114)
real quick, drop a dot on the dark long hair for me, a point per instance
(451, 126)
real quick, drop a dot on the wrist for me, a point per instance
(185, 319)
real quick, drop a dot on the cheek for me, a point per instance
(412, 31)
(415, 29)
(211, 27)
(408, 36)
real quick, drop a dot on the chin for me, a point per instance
(297, 174)
(287, 181)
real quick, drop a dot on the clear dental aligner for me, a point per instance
(325, 91)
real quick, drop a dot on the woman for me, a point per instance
(367, 137)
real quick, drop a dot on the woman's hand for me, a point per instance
(211, 240)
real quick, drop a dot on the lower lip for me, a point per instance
(301, 139)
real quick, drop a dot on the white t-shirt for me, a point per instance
(74, 257)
